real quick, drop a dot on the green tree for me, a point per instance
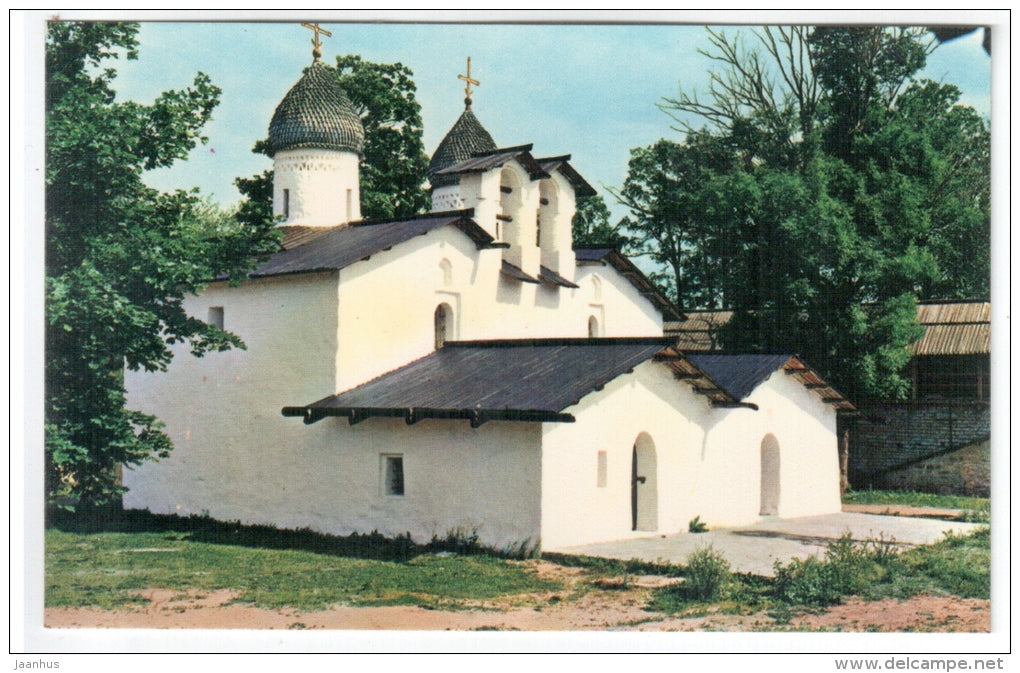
(394, 166)
(590, 226)
(851, 190)
(120, 256)
(392, 170)
(666, 190)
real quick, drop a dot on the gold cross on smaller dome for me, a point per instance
(316, 45)
(467, 78)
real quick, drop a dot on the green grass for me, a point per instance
(915, 499)
(104, 568)
(958, 565)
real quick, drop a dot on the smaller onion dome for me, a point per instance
(316, 113)
(467, 138)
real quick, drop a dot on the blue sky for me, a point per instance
(588, 90)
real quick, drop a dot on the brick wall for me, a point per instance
(965, 471)
(923, 439)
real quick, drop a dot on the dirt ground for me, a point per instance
(606, 607)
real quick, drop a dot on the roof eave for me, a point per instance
(411, 415)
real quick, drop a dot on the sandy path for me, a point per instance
(598, 610)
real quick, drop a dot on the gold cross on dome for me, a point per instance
(316, 45)
(467, 78)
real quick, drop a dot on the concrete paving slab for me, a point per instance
(755, 548)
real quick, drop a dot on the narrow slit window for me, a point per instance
(216, 316)
(393, 475)
(286, 203)
(602, 470)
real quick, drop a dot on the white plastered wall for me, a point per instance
(707, 459)
(388, 302)
(484, 480)
(323, 186)
(308, 336)
(235, 456)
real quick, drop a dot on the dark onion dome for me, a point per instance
(316, 113)
(467, 138)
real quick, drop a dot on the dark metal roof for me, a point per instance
(591, 254)
(515, 272)
(580, 185)
(339, 247)
(481, 162)
(739, 374)
(626, 268)
(467, 138)
(550, 276)
(316, 113)
(518, 380)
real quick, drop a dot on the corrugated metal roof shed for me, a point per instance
(339, 247)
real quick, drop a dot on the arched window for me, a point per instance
(549, 236)
(596, 288)
(593, 327)
(446, 271)
(443, 324)
(510, 203)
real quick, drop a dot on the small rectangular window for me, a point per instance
(393, 475)
(601, 479)
(286, 203)
(216, 316)
(349, 206)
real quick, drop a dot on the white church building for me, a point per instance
(467, 370)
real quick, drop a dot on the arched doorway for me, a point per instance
(644, 492)
(593, 327)
(443, 324)
(769, 475)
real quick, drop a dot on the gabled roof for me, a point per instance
(335, 248)
(484, 161)
(738, 375)
(626, 268)
(535, 380)
(518, 380)
(580, 185)
(735, 376)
